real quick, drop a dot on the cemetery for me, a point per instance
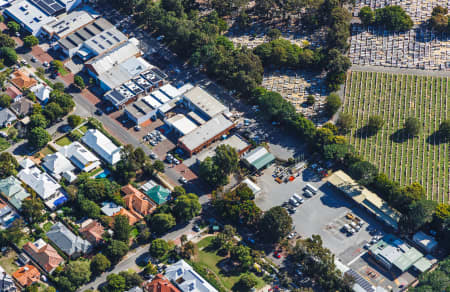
(395, 97)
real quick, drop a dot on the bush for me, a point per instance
(13, 26)
(375, 124)
(367, 15)
(310, 100)
(79, 82)
(74, 121)
(333, 103)
(444, 130)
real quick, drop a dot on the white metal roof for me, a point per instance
(102, 146)
(105, 41)
(204, 101)
(107, 61)
(160, 96)
(151, 101)
(169, 90)
(182, 124)
(255, 154)
(29, 15)
(125, 71)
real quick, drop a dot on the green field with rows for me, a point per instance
(395, 97)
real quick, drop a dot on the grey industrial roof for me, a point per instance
(205, 101)
(105, 40)
(125, 71)
(139, 108)
(85, 33)
(205, 132)
(66, 25)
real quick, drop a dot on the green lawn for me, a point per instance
(96, 171)
(63, 141)
(4, 144)
(83, 129)
(134, 233)
(47, 226)
(46, 151)
(395, 97)
(7, 261)
(208, 258)
(63, 71)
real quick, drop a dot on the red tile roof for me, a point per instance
(160, 284)
(46, 256)
(13, 92)
(93, 232)
(137, 202)
(22, 80)
(27, 275)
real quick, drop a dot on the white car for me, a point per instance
(183, 180)
(46, 64)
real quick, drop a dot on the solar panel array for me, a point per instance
(51, 7)
(361, 281)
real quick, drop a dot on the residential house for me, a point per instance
(43, 254)
(72, 245)
(44, 185)
(6, 282)
(111, 209)
(138, 203)
(26, 163)
(82, 158)
(186, 279)
(56, 164)
(42, 92)
(103, 146)
(14, 93)
(22, 107)
(21, 80)
(12, 189)
(92, 230)
(7, 117)
(7, 215)
(26, 275)
(158, 194)
(160, 284)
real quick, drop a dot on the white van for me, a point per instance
(308, 193)
(313, 190)
(298, 198)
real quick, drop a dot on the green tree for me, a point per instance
(444, 130)
(52, 112)
(32, 210)
(74, 121)
(6, 41)
(345, 122)
(78, 272)
(5, 100)
(439, 10)
(242, 254)
(13, 27)
(333, 103)
(413, 126)
(59, 86)
(38, 137)
(337, 151)
(99, 264)
(158, 247)
(30, 41)
(186, 207)
(273, 34)
(275, 224)
(364, 172)
(158, 165)
(150, 269)
(161, 223)
(439, 22)
(79, 82)
(88, 208)
(375, 124)
(38, 120)
(99, 190)
(116, 250)
(418, 215)
(178, 191)
(122, 228)
(115, 283)
(367, 15)
(8, 165)
(132, 279)
(8, 55)
(394, 18)
(226, 158)
(247, 282)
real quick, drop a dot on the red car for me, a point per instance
(277, 255)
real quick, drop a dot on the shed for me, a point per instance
(252, 186)
(425, 241)
(259, 158)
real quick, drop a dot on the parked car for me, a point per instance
(98, 112)
(277, 254)
(153, 156)
(183, 180)
(196, 228)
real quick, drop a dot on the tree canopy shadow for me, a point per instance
(435, 139)
(364, 132)
(400, 136)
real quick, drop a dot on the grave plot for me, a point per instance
(295, 86)
(422, 159)
(419, 48)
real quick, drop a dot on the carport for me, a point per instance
(259, 158)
